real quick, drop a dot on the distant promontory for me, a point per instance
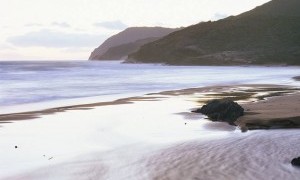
(128, 41)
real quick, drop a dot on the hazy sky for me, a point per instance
(71, 29)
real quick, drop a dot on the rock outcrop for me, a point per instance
(222, 110)
(296, 162)
(297, 78)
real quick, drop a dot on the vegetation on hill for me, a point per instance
(269, 34)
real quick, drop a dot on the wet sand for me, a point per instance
(262, 103)
(248, 156)
(155, 137)
(4, 118)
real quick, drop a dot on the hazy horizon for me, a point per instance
(70, 30)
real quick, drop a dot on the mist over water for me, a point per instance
(45, 81)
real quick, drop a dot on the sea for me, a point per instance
(33, 85)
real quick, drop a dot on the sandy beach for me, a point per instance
(156, 136)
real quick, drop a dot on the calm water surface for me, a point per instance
(48, 81)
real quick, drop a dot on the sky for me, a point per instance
(71, 29)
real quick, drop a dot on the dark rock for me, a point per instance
(222, 110)
(297, 78)
(16, 147)
(244, 129)
(296, 162)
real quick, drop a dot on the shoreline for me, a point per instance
(257, 99)
(143, 137)
(36, 114)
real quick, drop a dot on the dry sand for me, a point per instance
(276, 112)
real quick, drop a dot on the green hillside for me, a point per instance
(269, 34)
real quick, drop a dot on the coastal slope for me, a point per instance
(268, 34)
(128, 41)
(121, 52)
